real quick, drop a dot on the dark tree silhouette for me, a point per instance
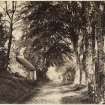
(3, 39)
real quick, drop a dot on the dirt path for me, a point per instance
(53, 93)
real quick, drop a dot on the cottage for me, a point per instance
(29, 67)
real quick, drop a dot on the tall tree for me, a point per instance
(10, 13)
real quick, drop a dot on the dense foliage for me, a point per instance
(57, 28)
(51, 26)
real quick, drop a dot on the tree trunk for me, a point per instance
(84, 71)
(85, 54)
(9, 44)
(81, 72)
(91, 75)
(100, 66)
(78, 74)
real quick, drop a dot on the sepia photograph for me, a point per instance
(52, 52)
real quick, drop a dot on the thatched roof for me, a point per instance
(25, 63)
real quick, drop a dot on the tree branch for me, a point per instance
(7, 10)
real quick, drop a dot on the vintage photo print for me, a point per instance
(52, 52)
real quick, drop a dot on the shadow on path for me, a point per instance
(54, 93)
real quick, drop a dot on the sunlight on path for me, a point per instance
(52, 94)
